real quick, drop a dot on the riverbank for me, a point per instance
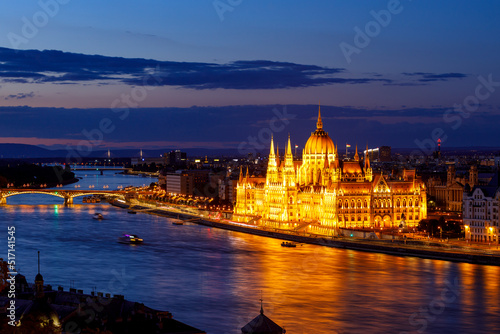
(423, 249)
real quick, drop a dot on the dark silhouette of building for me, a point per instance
(262, 325)
(384, 153)
(41, 310)
(176, 159)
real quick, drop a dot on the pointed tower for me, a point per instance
(272, 166)
(240, 180)
(262, 325)
(473, 176)
(368, 169)
(319, 124)
(246, 177)
(326, 170)
(336, 174)
(451, 175)
(288, 170)
(356, 155)
(39, 281)
(278, 161)
(367, 159)
(289, 154)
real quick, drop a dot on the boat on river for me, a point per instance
(129, 239)
(288, 244)
(178, 222)
(98, 216)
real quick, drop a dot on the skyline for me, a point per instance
(401, 81)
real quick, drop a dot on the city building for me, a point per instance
(480, 212)
(176, 158)
(41, 309)
(384, 153)
(227, 189)
(179, 182)
(322, 193)
(196, 182)
(449, 194)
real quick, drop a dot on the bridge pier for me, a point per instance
(68, 200)
(3, 200)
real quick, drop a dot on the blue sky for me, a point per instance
(428, 57)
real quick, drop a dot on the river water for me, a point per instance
(213, 279)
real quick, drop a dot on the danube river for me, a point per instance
(213, 279)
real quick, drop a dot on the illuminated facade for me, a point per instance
(480, 212)
(322, 193)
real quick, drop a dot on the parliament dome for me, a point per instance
(319, 142)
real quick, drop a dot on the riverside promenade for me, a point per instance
(431, 249)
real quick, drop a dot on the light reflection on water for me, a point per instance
(212, 279)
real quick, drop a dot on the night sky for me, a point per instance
(218, 74)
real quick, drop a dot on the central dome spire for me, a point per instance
(319, 142)
(319, 124)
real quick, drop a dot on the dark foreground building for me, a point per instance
(40, 309)
(262, 325)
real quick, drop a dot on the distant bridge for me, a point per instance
(67, 195)
(100, 168)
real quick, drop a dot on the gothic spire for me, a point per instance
(289, 147)
(278, 162)
(271, 153)
(319, 124)
(367, 159)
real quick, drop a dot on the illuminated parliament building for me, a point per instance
(323, 193)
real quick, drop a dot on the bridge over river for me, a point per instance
(67, 195)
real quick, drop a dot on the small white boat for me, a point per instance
(130, 239)
(98, 216)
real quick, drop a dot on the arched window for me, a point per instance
(404, 203)
(398, 203)
(359, 204)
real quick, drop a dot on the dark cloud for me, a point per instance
(19, 96)
(405, 84)
(235, 125)
(428, 77)
(32, 66)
